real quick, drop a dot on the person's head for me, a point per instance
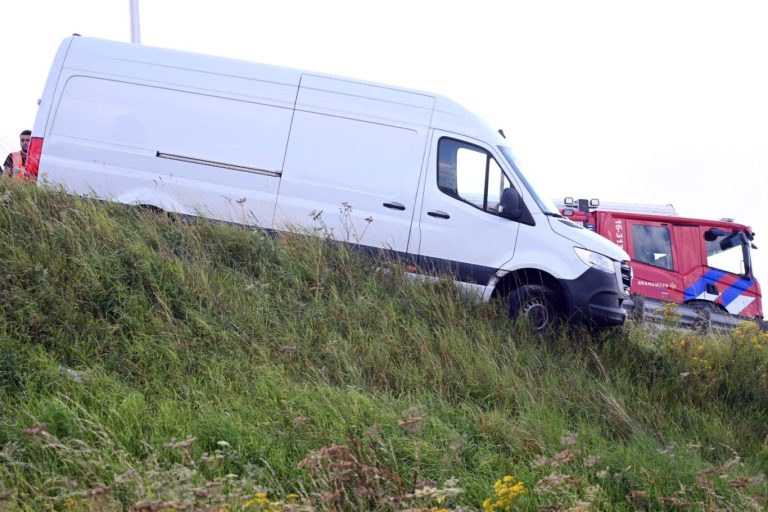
(24, 138)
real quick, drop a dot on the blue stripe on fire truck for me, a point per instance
(700, 286)
(736, 289)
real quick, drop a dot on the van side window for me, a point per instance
(470, 174)
(652, 245)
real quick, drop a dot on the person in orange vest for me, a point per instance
(15, 163)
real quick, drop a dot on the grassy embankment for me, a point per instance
(151, 364)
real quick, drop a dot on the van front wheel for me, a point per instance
(535, 303)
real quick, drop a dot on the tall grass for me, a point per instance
(153, 363)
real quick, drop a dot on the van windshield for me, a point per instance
(547, 205)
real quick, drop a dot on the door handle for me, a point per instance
(394, 206)
(439, 214)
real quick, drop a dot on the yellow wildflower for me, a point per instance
(506, 489)
(259, 499)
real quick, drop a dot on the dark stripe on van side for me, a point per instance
(465, 272)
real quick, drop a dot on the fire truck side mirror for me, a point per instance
(568, 201)
(712, 234)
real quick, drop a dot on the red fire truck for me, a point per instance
(702, 263)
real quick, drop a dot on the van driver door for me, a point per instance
(460, 229)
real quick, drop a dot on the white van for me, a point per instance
(409, 173)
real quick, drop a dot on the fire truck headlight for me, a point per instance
(593, 259)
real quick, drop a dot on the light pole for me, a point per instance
(135, 36)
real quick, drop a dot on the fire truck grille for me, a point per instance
(626, 276)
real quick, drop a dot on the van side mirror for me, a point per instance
(511, 204)
(512, 207)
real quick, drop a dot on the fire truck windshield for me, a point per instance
(547, 205)
(729, 251)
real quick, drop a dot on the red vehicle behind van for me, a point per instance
(703, 263)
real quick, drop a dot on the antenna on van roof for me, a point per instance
(501, 132)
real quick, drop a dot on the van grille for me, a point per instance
(626, 275)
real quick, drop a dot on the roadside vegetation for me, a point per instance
(150, 363)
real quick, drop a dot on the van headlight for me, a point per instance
(593, 259)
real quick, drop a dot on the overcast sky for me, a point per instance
(649, 102)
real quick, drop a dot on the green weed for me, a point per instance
(157, 363)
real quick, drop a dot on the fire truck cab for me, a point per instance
(703, 263)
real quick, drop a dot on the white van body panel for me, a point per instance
(450, 116)
(152, 197)
(50, 91)
(554, 255)
(169, 125)
(369, 102)
(231, 78)
(587, 238)
(353, 162)
(193, 125)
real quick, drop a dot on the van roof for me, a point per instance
(118, 58)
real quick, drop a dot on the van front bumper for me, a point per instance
(594, 297)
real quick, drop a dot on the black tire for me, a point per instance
(537, 304)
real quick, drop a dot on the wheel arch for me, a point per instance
(707, 304)
(521, 277)
(151, 199)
